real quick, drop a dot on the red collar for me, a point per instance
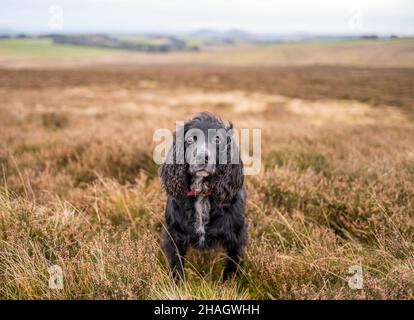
(194, 194)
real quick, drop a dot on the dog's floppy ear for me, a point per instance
(173, 172)
(229, 177)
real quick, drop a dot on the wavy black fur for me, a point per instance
(226, 227)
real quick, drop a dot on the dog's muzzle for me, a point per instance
(202, 162)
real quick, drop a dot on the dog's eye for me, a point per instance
(191, 139)
(216, 139)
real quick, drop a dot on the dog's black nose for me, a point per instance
(202, 157)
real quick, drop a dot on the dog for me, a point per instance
(206, 197)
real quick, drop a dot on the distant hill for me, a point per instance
(5, 33)
(233, 36)
(105, 41)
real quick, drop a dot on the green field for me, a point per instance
(371, 53)
(45, 49)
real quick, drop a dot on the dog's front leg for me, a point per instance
(233, 262)
(175, 252)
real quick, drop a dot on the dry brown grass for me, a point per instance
(79, 188)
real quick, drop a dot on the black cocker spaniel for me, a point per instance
(203, 177)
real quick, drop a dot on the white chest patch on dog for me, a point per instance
(202, 209)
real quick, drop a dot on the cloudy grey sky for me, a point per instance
(319, 17)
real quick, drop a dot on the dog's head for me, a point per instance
(204, 147)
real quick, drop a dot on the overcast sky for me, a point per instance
(319, 17)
